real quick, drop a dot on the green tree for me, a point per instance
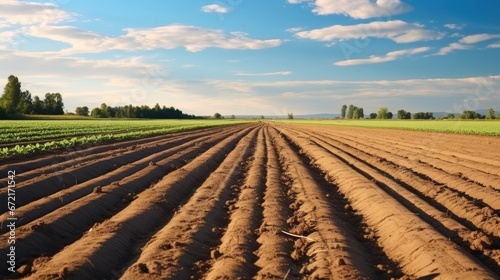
(408, 115)
(11, 95)
(355, 112)
(25, 104)
(96, 113)
(361, 113)
(217, 116)
(262, 116)
(382, 113)
(389, 115)
(53, 104)
(37, 105)
(350, 112)
(290, 116)
(82, 111)
(401, 114)
(490, 114)
(342, 111)
(451, 116)
(373, 115)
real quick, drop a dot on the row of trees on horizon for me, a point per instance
(353, 112)
(14, 102)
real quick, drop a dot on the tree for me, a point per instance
(82, 111)
(355, 114)
(401, 114)
(490, 114)
(25, 104)
(389, 115)
(408, 115)
(373, 115)
(350, 112)
(233, 117)
(217, 116)
(361, 113)
(451, 116)
(96, 113)
(382, 113)
(11, 95)
(37, 105)
(290, 116)
(262, 116)
(470, 115)
(342, 111)
(53, 104)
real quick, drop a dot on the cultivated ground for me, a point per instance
(262, 201)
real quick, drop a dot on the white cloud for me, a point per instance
(473, 39)
(28, 13)
(467, 42)
(391, 56)
(294, 29)
(453, 26)
(453, 47)
(494, 45)
(358, 9)
(280, 73)
(396, 30)
(214, 8)
(192, 38)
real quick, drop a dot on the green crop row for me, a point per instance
(96, 132)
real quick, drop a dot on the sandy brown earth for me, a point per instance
(261, 201)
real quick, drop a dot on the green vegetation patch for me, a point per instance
(30, 136)
(476, 127)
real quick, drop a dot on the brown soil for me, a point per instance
(261, 201)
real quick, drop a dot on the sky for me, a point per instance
(259, 57)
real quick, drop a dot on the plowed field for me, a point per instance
(261, 201)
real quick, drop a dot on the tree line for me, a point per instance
(129, 111)
(353, 112)
(15, 101)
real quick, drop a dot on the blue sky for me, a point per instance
(269, 57)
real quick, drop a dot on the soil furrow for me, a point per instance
(150, 209)
(235, 259)
(73, 172)
(474, 241)
(425, 148)
(30, 166)
(460, 175)
(166, 159)
(181, 249)
(419, 249)
(274, 252)
(459, 203)
(330, 250)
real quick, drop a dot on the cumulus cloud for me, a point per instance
(391, 56)
(396, 30)
(214, 8)
(358, 9)
(28, 13)
(192, 38)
